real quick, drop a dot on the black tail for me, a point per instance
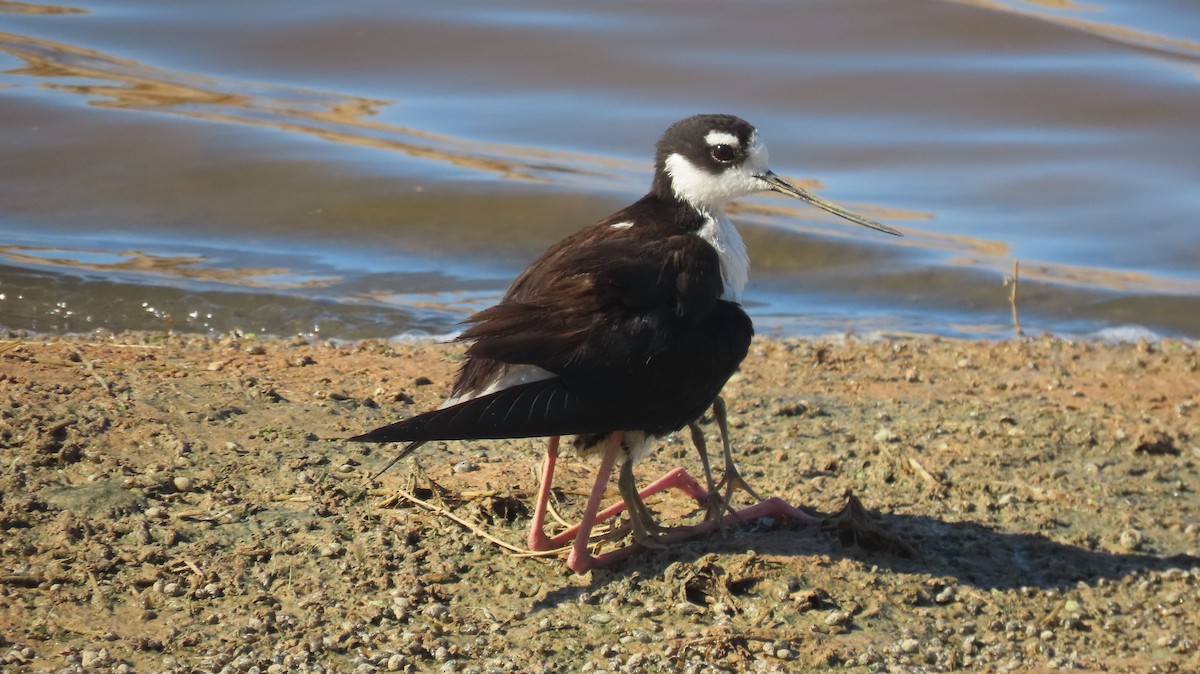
(536, 409)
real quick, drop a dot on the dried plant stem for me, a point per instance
(1012, 297)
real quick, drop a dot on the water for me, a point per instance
(370, 169)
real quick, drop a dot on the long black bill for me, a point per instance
(782, 186)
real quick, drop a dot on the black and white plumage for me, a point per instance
(627, 329)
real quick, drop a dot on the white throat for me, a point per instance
(719, 231)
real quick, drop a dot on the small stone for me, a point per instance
(436, 610)
(945, 596)
(154, 512)
(885, 435)
(182, 483)
(1132, 539)
(466, 467)
(396, 663)
(908, 646)
(90, 659)
(600, 618)
(835, 618)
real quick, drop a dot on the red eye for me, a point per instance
(722, 153)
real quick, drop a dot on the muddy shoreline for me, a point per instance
(174, 503)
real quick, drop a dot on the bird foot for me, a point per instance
(774, 508)
(677, 478)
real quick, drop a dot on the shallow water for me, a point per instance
(377, 168)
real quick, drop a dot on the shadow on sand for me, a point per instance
(974, 554)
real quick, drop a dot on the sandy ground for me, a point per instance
(180, 504)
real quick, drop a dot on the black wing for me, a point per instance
(634, 330)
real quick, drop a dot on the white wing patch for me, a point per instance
(509, 376)
(621, 225)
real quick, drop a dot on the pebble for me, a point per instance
(92, 658)
(945, 596)
(436, 610)
(466, 466)
(886, 435)
(183, 483)
(600, 618)
(1132, 539)
(836, 618)
(908, 646)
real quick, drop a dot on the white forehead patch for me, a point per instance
(722, 138)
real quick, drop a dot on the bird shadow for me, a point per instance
(973, 554)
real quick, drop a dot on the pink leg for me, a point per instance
(538, 540)
(580, 559)
(677, 478)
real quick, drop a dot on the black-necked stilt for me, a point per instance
(622, 332)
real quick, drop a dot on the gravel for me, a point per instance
(1031, 506)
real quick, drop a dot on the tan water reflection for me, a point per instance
(28, 8)
(1109, 31)
(172, 266)
(126, 83)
